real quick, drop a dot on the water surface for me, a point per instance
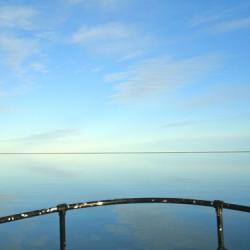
(34, 182)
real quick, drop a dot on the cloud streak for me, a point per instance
(17, 17)
(20, 49)
(51, 135)
(232, 25)
(102, 4)
(48, 136)
(224, 20)
(180, 124)
(158, 75)
(4, 109)
(16, 51)
(220, 95)
(110, 39)
(16, 48)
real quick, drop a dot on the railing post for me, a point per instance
(62, 208)
(218, 205)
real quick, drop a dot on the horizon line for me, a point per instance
(128, 152)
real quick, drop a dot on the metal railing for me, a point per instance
(61, 209)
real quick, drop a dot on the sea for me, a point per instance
(30, 182)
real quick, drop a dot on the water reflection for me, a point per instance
(30, 182)
(166, 228)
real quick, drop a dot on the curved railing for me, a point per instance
(61, 209)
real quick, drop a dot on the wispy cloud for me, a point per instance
(232, 25)
(51, 135)
(39, 67)
(4, 109)
(15, 50)
(103, 4)
(47, 136)
(180, 124)
(17, 17)
(117, 76)
(161, 74)
(17, 57)
(20, 51)
(223, 20)
(220, 95)
(102, 32)
(110, 39)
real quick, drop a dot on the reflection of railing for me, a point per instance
(62, 208)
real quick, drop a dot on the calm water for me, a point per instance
(34, 182)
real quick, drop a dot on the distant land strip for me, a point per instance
(128, 152)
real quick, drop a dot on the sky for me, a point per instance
(124, 75)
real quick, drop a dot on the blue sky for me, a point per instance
(90, 75)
